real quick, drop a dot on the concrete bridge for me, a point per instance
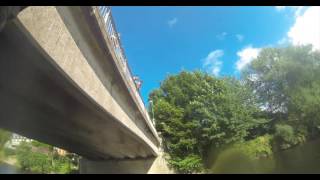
(65, 81)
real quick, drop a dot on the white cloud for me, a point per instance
(296, 9)
(221, 36)
(246, 55)
(283, 41)
(306, 29)
(279, 8)
(172, 22)
(212, 62)
(239, 37)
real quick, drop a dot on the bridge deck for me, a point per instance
(43, 98)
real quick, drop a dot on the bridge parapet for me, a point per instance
(114, 39)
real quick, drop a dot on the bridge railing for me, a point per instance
(113, 36)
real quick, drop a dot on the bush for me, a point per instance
(260, 147)
(192, 163)
(286, 137)
(9, 152)
(284, 132)
(41, 162)
(38, 144)
(33, 161)
(62, 165)
(4, 137)
(301, 134)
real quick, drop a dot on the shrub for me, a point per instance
(284, 132)
(40, 162)
(190, 164)
(260, 147)
(4, 137)
(8, 152)
(286, 137)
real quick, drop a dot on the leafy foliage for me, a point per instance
(4, 137)
(40, 162)
(285, 132)
(31, 161)
(260, 147)
(286, 137)
(195, 111)
(277, 96)
(286, 82)
(191, 163)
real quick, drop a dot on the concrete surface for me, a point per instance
(60, 86)
(141, 166)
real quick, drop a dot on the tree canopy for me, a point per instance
(277, 96)
(286, 81)
(195, 112)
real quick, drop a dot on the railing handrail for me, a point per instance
(105, 12)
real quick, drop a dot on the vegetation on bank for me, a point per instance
(4, 137)
(272, 107)
(37, 157)
(41, 158)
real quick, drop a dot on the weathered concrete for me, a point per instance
(139, 166)
(60, 84)
(86, 25)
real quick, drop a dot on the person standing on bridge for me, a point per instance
(138, 82)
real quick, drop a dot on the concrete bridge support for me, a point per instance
(62, 83)
(153, 165)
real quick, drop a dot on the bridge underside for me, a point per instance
(38, 100)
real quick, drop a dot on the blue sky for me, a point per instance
(220, 40)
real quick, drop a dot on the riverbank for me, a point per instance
(9, 165)
(9, 169)
(10, 160)
(303, 158)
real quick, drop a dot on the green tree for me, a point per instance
(287, 84)
(195, 112)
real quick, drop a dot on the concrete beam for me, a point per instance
(77, 46)
(39, 100)
(64, 40)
